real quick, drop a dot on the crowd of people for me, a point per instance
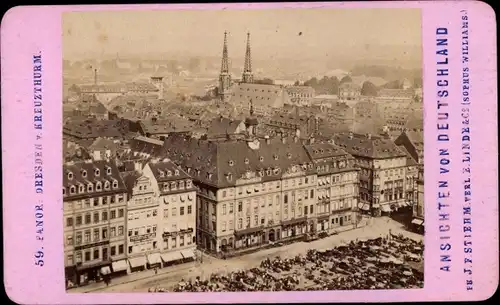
(390, 262)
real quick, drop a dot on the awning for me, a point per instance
(188, 253)
(376, 205)
(120, 265)
(385, 208)
(171, 256)
(417, 221)
(365, 207)
(154, 258)
(137, 261)
(105, 270)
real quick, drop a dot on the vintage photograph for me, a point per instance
(243, 150)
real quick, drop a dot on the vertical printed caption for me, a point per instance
(466, 154)
(38, 158)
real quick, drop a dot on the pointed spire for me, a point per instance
(247, 70)
(248, 56)
(225, 57)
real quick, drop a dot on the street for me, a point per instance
(169, 277)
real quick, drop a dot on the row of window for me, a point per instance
(173, 211)
(135, 215)
(171, 243)
(89, 187)
(99, 234)
(176, 185)
(182, 198)
(94, 202)
(93, 254)
(83, 172)
(97, 218)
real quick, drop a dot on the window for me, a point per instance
(96, 217)
(120, 249)
(87, 255)
(285, 198)
(174, 211)
(165, 213)
(105, 200)
(78, 238)
(120, 230)
(130, 249)
(87, 236)
(72, 190)
(96, 234)
(231, 207)
(87, 219)
(112, 231)
(113, 250)
(69, 240)
(69, 222)
(113, 214)
(224, 209)
(104, 233)
(240, 206)
(174, 242)
(87, 203)
(312, 194)
(104, 216)
(98, 186)
(69, 260)
(224, 226)
(78, 257)
(181, 211)
(240, 223)
(181, 184)
(121, 213)
(188, 184)
(181, 241)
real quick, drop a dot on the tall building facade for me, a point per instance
(336, 187)
(176, 218)
(95, 205)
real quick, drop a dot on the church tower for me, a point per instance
(247, 71)
(225, 83)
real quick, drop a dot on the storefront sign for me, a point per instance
(102, 243)
(139, 238)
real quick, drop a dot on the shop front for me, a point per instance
(417, 225)
(323, 224)
(119, 267)
(90, 273)
(71, 276)
(154, 260)
(385, 209)
(188, 255)
(250, 237)
(293, 228)
(137, 263)
(171, 258)
(364, 207)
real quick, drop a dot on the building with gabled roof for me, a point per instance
(94, 209)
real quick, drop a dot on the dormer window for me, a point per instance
(84, 173)
(181, 184)
(231, 162)
(81, 188)
(268, 172)
(169, 173)
(106, 185)
(72, 190)
(108, 170)
(176, 172)
(98, 186)
(115, 184)
(276, 170)
(261, 159)
(97, 172)
(173, 186)
(70, 176)
(64, 191)
(162, 174)
(90, 187)
(209, 176)
(229, 176)
(275, 157)
(261, 173)
(165, 187)
(189, 184)
(289, 155)
(247, 161)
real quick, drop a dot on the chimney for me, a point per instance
(369, 136)
(268, 140)
(311, 140)
(351, 135)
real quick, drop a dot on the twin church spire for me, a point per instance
(225, 81)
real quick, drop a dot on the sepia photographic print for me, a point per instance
(243, 150)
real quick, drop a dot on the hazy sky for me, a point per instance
(273, 32)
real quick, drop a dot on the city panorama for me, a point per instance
(243, 150)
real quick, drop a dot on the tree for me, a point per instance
(297, 83)
(345, 79)
(395, 84)
(369, 89)
(265, 81)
